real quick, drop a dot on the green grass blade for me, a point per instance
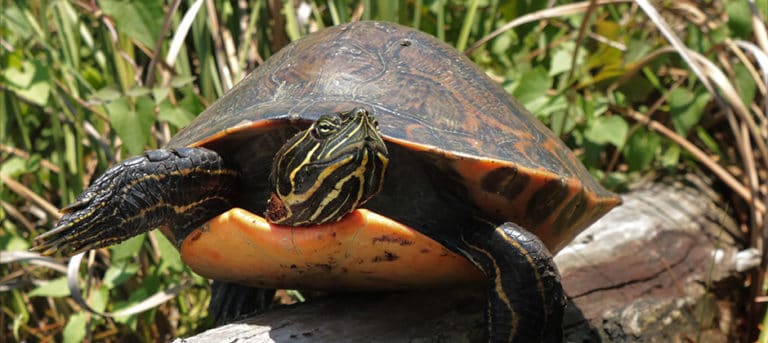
(467, 26)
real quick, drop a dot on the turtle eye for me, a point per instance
(325, 127)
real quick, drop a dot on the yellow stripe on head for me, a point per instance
(326, 171)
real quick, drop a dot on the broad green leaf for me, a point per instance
(31, 82)
(745, 83)
(99, 299)
(531, 89)
(76, 328)
(671, 156)
(136, 91)
(149, 286)
(562, 59)
(182, 80)
(686, 109)
(739, 18)
(94, 77)
(12, 242)
(13, 166)
(141, 20)
(614, 180)
(637, 49)
(553, 111)
(641, 149)
(160, 94)
(176, 115)
(54, 288)
(191, 103)
(106, 94)
(33, 163)
(169, 257)
(15, 21)
(132, 126)
(607, 129)
(128, 248)
(118, 272)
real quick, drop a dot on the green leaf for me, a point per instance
(745, 83)
(136, 91)
(686, 109)
(637, 88)
(54, 288)
(671, 157)
(531, 89)
(106, 94)
(12, 242)
(118, 273)
(141, 20)
(739, 18)
(99, 299)
(641, 149)
(31, 82)
(15, 22)
(128, 248)
(14, 166)
(607, 129)
(132, 126)
(169, 255)
(710, 142)
(637, 49)
(76, 328)
(160, 94)
(554, 112)
(175, 115)
(182, 80)
(562, 58)
(19, 320)
(561, 61)
(149, 286)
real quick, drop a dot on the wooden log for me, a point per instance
(662, 267)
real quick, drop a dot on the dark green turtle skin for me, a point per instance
(468, 165)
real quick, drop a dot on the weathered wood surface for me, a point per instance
(660, 268)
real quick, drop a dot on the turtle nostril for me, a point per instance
(405, 42)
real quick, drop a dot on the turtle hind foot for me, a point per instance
(230, 301)
(526, 301)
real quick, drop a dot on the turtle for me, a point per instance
(367, 155)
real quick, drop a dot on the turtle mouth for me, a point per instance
(373, 140)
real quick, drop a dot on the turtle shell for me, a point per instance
(432, 104)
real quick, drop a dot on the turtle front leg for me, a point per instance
(178, 188)
(525, 298)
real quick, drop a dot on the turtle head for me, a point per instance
(328, 170)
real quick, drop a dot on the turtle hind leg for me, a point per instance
(525, 298)
(231, 301)
(177, 188)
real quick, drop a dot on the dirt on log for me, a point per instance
(664, 267)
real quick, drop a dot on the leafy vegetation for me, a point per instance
(638, 90)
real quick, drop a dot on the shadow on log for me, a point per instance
(663, 267)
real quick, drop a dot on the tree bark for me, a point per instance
(663, 267)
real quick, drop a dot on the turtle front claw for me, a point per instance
(166, 187)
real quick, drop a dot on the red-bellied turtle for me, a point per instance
(455, 181)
